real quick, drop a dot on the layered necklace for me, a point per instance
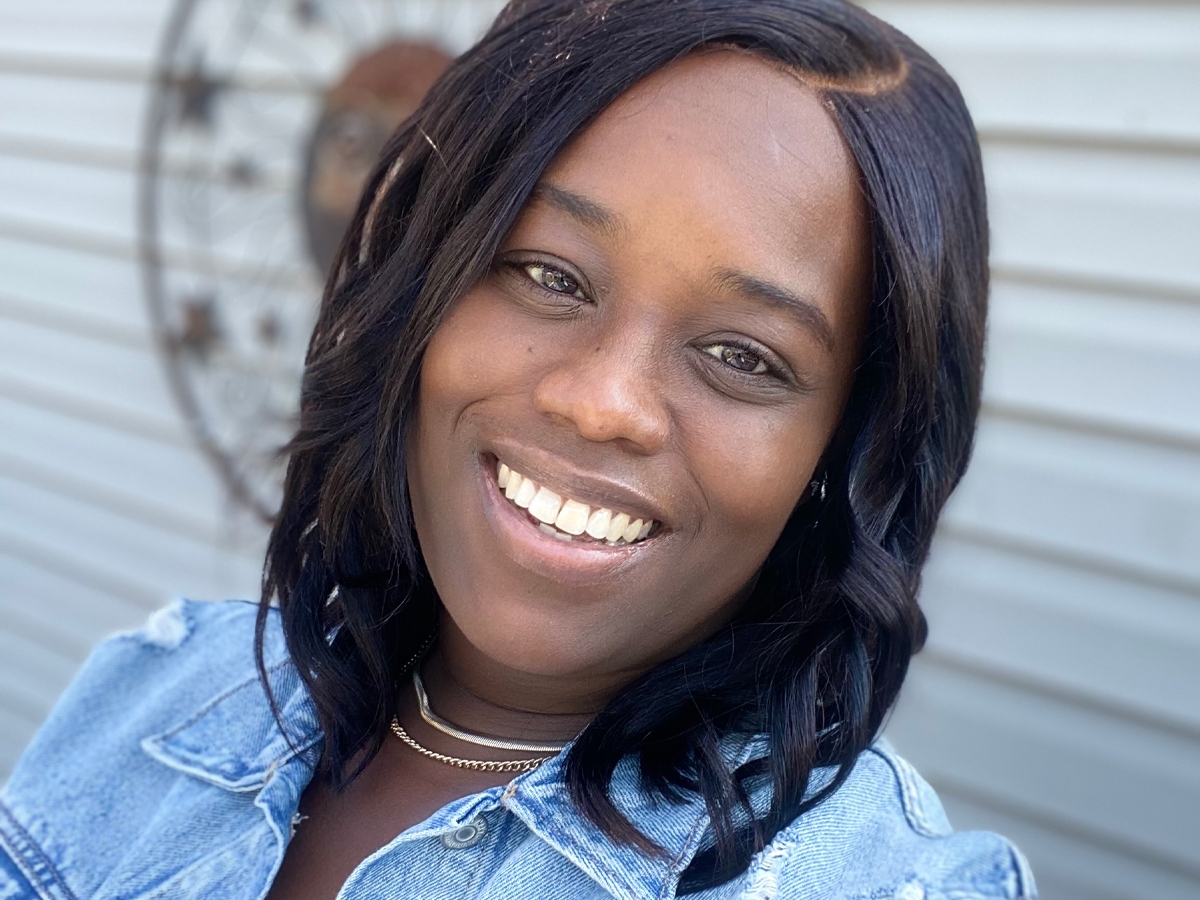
(479, 765)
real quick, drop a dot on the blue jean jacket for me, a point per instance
(162, 774)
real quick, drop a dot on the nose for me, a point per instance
(607, 396)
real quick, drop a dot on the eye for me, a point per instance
(555, 280)
(741, 358)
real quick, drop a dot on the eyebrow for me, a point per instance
(587, 212)
(805, 311)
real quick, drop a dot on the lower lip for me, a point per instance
(574, 562)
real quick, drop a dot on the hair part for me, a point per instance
(816, 656)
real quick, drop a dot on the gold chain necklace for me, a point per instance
(477, 765)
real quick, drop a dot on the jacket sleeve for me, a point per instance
(84, 788)
(883, 835)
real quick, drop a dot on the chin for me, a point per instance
(546, 642)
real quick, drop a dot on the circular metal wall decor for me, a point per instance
(264, 120)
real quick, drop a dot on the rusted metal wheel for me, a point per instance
(264, 120)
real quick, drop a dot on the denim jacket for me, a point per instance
(162, 774)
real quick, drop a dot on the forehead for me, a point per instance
(734, 155)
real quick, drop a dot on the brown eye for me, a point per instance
(738, 358)
(555, 280)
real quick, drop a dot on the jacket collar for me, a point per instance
(539, 798)
(234, 742)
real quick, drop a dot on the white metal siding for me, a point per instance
(106, 508)
(1059, 698)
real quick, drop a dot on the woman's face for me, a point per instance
(669, 334)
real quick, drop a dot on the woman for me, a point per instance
(642, 376)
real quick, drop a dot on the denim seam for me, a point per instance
(295, 749)
(23, 846)
(909, 796)
(220, 698)
(620, 876)
(693, 838)
(1025, 881)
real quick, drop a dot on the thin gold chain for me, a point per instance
(478, 765)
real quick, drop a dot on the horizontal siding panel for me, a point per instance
(124, 378)
(128, 585)
(1100, 213)
(1110, 643)
(32, 674)
(61, 612)
(254, 229)
(105, 538)
(88, 111)
(1065, 866)
(97, 287)
(1106, 499)
(1088, 68)
(1128, 361)
(175, 520)
(16, 729)
(177, 479)
(1111, 781)
(77, 197)
(124, 30)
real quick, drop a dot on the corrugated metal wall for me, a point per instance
(1059, 698)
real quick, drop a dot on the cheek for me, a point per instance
(755, 467)
(473, 355)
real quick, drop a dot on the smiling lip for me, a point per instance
(576, 562)
(560, 476)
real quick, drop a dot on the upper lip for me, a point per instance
(586, 487)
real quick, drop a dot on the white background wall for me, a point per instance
(1059, 698)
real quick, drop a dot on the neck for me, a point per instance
(478, 694)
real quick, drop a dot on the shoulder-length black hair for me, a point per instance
(817, 655)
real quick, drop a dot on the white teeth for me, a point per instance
(573, 517)
(545, 506)
(597, 523)
(514, 485)
(565, 518)
(617, 526)
(525, 493)
(553, 532)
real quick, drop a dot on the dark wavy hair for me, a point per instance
(816, 656)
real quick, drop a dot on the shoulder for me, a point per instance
(139, 681)
(884, 834)
(88, 761)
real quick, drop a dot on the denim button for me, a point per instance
(466, 835)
